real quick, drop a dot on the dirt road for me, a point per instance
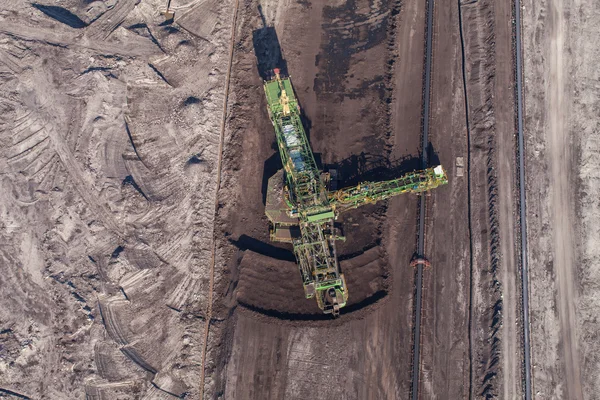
(445, 356)
(560, 156)
(507, 208)
(561, 123)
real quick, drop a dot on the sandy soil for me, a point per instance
(356, 356)
(109, 144)
(296, 364)
(562, 125)
(114, 219)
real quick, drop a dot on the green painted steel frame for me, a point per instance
(371, 192)
(315, 249)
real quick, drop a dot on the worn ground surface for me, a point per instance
(338, 56)
(562, 122)
(115, 219)
(108, 150)
(273, 351)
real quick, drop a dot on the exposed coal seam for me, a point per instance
(469, 222)
(389, 74)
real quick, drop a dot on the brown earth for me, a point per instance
(562, 122)
(448, 352)
(348, 114)
(272, 286)
(110, 152)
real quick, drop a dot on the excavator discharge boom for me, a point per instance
(372, 192)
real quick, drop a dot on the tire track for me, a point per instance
(211, 284)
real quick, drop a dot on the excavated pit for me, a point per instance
(273, 287)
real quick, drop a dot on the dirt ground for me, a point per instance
(268, 354)
(120, 208)
(110, 139)
(562, 128)
(275, 352)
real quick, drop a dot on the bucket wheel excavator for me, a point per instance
(302, 210)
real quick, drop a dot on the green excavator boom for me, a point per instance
(302, 211)
(307, 199)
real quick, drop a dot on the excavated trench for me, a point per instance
(345, 117)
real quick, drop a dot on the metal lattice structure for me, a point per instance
(302, 211)
(372, 192)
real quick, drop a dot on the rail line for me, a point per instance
(211, 284)
(522, 209)
(416, 361)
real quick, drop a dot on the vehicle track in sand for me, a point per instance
(219, 164)
(559, 150)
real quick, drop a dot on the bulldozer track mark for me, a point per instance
(19, 141)
(27, 150)
(208, 318)
(71, 41)
(110, 20)
(52, 159)
(77, 173)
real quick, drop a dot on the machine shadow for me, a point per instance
(376, 167)
(246, 242)
(269, 56)
(432, 155)
(371, 167)
(370, 302)
(358, 168)
(267, 50)
(270, 168)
